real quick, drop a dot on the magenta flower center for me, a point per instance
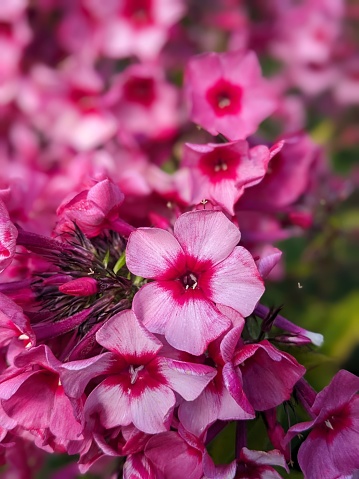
(190, 281)
(140, 90)
(138, 11)
(219, 164)
(225, 98)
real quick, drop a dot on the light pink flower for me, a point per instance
(144, 103)
(197, 267)
(135, 27)
(228, 94)
(140, 385)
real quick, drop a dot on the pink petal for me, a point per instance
(187, 319)
(340, 390)
(270, 258)
(105, 194)
(152, 409)
(32, 404)
(236, 282)
(63, 423)
(187, 379)
(198, 414)
(174, 458)
(75, 375)
(230, 341)
(206, 236)
(137, 466)
(111, 401)
(154, 253)
(124, 335)
(234, 385)
(270, 458)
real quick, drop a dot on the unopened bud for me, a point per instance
(80, 287)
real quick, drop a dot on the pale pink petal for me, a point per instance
(229, 342)
(154, 253)
(186, 318)
(231, 410)
(75, 375)
(270, 458)
(124, 335)
(137, 466)
(269, 259)
(236, 282)
(152, 410)
(206, 236)
(111, 401)
(187, 379)
(225, 193)
(151, 305)
(198, 414)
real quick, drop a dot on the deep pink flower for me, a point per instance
(286, 179)
(194, 269)
(275, 371)
(228, 94)
(221, 172)
(140, 386)
(331, 449)
(32, 395)
(8, 235)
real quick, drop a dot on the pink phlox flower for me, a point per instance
(331, 448)
(228, 94)
(221, 172)
(135, 27)
(250, 464)
(276, 371)
(145, 103)
(93, 211)
(72, 101)
(140, 388)
(8, 235)
(194, 269)
(32, 395)
(285, 180)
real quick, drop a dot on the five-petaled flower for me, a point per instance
(197, 268)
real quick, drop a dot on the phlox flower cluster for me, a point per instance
(141, 197)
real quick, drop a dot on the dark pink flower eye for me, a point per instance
(225, 98)
(219, 164)
(139, 90)
(139, 11)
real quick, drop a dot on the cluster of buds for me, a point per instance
(134, 246)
